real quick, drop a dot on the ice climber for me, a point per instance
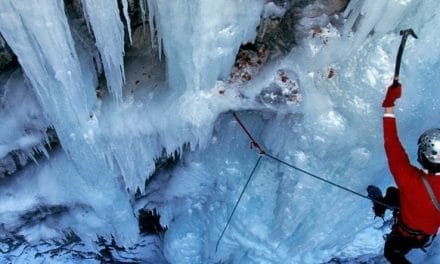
(416, 217)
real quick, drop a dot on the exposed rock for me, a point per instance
(300, 19)
(284, 90)
(331, 7)
(7, 57)
(12, 239)
(141, 42)
(73, 8)
(18, 159)
(249, 60)
(319, 14)
(41, 214)
(277, 33)
(134, 10)
(149, 222)
(9, 240)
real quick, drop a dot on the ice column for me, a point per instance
(365, 20)
(127, 18)
(103, 16)
(202, 37)
(38, 32)
(376, 17)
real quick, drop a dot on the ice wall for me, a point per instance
(286, 216)
(40, 36)
(113, 145)
(201, 38)
(363, 20)
(23, 122)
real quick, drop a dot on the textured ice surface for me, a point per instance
(339, 72)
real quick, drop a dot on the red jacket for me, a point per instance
(416, 208)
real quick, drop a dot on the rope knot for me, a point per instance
(255, 145)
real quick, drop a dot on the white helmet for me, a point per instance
(429, 150)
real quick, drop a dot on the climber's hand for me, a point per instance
(393, 93)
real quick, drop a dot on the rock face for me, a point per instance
(301, 18)
(284, 90)
(7, 57)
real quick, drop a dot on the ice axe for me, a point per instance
(404, 33)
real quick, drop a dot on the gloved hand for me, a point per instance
(393, 93)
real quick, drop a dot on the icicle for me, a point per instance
(43, 150)
(87, 19)
(127, 19)
(2, 41)
(109, 160)
(47, 140)
(109, 34)
(367, 18)
(153, 19)
(31, 155)
(142, 5)
(39, 34)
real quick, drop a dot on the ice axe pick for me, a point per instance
(404, 33)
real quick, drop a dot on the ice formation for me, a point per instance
(214, 42)
(152, 129)
(103, 17)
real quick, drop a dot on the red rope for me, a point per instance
(254, 143)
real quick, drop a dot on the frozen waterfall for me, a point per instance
(115, 108)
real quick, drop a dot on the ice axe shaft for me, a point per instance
(404, 33)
